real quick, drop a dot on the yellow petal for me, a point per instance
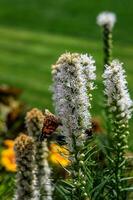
(9, 143)
(8, 159)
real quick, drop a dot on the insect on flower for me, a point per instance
(51, 123)
(89, 132)
(95, 128)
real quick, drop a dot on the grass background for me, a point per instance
(33, 33)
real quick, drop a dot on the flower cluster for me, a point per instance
(106, 19)
(120, 107)
(34, 122)
(116, 90)
(25, 157)
(73, 77)
(73, 81)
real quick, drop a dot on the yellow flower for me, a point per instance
(8, 156)
(59, 155)
(9, 143)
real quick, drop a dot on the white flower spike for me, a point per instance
(73, 78)
(106, 18)
(116, 90)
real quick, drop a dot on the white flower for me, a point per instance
(89, 69)
(116, 89)
(106, 18)
(73, 77)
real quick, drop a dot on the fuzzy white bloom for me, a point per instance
(116, 90)
(89, 70)
(73, 76)
(106, 18)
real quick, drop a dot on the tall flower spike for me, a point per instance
(120, 107)
(25, 158)
(73, 76)
(107, 20)
(116, 90)
(35, 123)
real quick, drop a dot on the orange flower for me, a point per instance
(59, 155)
(8, 156)
(9, 143)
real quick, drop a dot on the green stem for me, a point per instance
(117, 173)
(119, 160)
(107, 40)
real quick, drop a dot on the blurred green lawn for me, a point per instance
(34, 33)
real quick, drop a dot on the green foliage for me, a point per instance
(6, 186)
